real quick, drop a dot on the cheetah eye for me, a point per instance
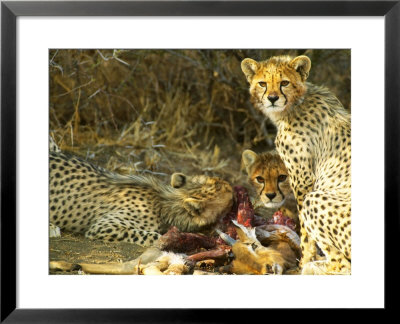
(262, 84)
(284, 83)
(282, 177)
(260, 179)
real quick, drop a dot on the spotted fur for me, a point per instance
(103, 205)
(268, 176)
(314, 141)
(270, 184)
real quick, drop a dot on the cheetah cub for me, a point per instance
(269, 181)
(103, 205)
(314, 141)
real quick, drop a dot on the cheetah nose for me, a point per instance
(271, 195)
(273, 99)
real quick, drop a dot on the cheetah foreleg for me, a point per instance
(335, 263)
(307, 245)
(327, 220)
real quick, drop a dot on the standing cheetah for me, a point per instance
(104, 205)
(314, 141)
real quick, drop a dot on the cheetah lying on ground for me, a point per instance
(104, 205)
(314, 141)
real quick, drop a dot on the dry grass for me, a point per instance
(161, 111)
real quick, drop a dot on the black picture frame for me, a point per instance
(11, 10)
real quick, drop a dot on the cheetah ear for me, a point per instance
(249, 158)
(178, 180)
(249, 68)
(302, 64)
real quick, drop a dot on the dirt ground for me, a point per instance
(74, 248)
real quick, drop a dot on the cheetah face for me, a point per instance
(268, 177)
(206, 199)
(277, 83)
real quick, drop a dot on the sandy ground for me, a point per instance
(75, 248)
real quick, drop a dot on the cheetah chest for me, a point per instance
(296, 152)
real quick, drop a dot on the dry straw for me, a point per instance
(160, 111)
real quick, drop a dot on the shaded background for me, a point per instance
(165, 111)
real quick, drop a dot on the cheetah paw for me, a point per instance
(324, 268)
(314, 268)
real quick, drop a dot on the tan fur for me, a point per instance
(104, 205)
(253, 258)
(314, 141)
(273, 72)
(267, 175)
